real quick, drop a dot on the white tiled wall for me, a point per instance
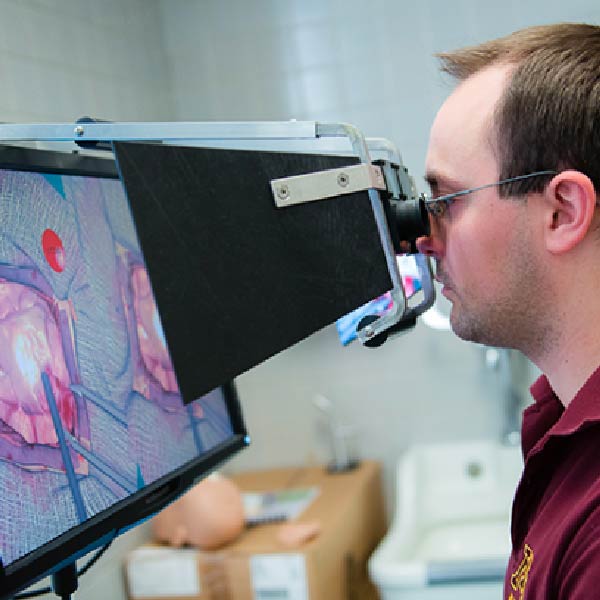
(369, 63)
(62, 59)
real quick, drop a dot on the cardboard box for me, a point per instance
(333, 566)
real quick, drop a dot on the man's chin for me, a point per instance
(464, 328)
(470, 330)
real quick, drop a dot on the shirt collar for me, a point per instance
(548, 417)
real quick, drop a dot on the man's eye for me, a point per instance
(437, 209)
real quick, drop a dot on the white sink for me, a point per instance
(450, 535)
(456, 541)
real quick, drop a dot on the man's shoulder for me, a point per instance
(577, 573)
(556, 517)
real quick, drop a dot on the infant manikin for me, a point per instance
(210, 515)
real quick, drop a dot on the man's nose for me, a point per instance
(430, 245)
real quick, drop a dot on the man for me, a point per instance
(520, 263)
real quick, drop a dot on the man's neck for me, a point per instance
(571, 360)
(567, 349)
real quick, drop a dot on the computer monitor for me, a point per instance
(94, 436)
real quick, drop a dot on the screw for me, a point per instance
(283, 191)
(369, 331)
(343, 180)
(79, 131)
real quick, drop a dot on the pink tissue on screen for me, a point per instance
(30, 344)
(153, 346)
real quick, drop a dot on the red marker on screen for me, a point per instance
(53, 250)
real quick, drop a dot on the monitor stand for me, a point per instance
(64, 581)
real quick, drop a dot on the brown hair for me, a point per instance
(549, 114)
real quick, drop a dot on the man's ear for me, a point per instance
(570, 203)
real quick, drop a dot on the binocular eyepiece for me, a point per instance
(404, 209)
(408, 220)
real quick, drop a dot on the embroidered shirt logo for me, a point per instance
(518, 580)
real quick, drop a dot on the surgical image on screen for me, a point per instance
(89, 406)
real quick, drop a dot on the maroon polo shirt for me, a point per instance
(556, 511)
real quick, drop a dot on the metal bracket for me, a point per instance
(299, 189)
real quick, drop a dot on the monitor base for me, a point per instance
(64, 581)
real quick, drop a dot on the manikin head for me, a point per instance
(208, 516)
(509, 255)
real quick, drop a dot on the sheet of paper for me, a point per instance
(163, 572)
(277, 505)
(279, 577)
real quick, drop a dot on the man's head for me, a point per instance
(548, 116)
(525, 103)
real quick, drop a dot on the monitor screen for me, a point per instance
(94, 435)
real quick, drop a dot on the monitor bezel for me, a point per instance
(128, 512)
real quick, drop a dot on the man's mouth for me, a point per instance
(443, 280)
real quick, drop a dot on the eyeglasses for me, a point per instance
(438, 206)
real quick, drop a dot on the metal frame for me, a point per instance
(304, 136)
(163, 131)
(398, 180)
